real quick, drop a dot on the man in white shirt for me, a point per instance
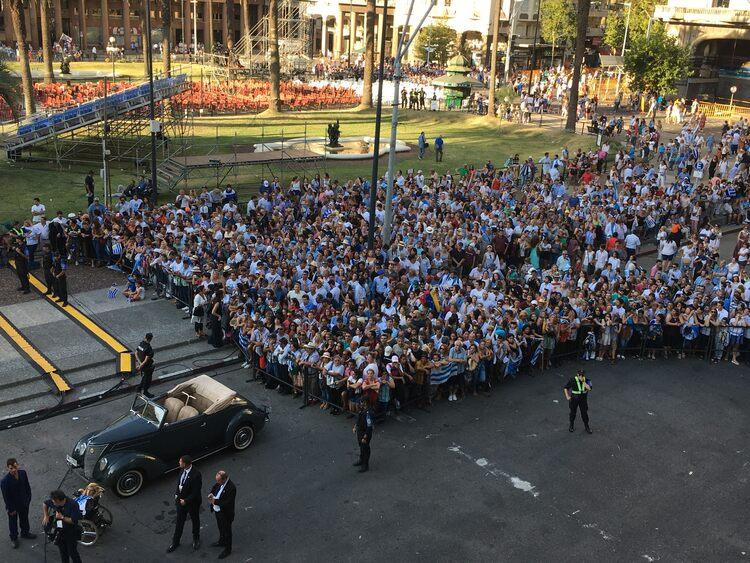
(37, 210)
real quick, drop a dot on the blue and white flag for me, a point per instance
(112, 293)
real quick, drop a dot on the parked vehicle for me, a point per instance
(198, 417)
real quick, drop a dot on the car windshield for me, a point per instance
(148, 410)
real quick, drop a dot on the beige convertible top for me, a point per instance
(209, 395)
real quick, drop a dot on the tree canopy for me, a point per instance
(443, 40)
(640, 14)
(655, 63)
(558, 21)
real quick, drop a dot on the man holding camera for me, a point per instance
(60, 520)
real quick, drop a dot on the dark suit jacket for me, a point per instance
(191, 490)
(16, 492)
(227, 498)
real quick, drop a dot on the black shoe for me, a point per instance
(224, 554)
(216, 544)
(48, 293)
(28, 536)
(196, 545)
(357, 464)
(172, 547)
(26, 291)
(64, 303)
(588, 430)
(148, 395)
(14, 543)
(364, 468)
(571, 428)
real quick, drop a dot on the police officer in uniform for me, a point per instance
(22, 265)
(145, 356)
(363, 428)
(60, 273)
(576, 392)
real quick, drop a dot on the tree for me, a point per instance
(366, 102)
(493, 59)
(558, 22)
(49, 75)
(166, 33)
(655, 63)
(19, 28)
(274, 101)
(638, 24)
(441, 38)
(9, 89)
(582, 20)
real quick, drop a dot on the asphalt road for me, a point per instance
(663, 477)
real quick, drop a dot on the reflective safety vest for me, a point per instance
(580, 387)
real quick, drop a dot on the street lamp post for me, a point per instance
(624, 43)
(403, 48)
(533, 51)
(513, 17)
(733, 90)
(376, 141)
(154, 125)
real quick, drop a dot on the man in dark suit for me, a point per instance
(17, 496)
(221, 499)
(188, 501)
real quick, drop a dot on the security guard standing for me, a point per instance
(21, 263)
(576, 392)
(363, 428)
(145, 356)
(60, 273)
(49, 278)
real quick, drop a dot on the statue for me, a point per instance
(65, 65)
(334, 132)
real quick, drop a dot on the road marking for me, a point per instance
(517, 482)
(123, 354)
(32, 354)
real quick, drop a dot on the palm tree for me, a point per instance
(274, 102)
(493, 59)
(9, 89)
(366, 102)
(581, 25)
(166, 33)
(19, 28)
(49, 75)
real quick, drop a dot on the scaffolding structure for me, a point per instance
(295, 41)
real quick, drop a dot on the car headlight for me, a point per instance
(80, 448)
(102, 464)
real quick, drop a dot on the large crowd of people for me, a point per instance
(491, 269)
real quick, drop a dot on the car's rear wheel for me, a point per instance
(129, 483)
(243, 437)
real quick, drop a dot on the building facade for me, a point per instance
(92, 22)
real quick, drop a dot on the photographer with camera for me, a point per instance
(60, 517)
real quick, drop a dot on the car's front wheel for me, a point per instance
(129, 483)
(243, 437)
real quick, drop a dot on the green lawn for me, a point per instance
(468, 140)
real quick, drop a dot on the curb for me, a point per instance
(29, 417)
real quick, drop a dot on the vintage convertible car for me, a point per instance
(198, 417)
